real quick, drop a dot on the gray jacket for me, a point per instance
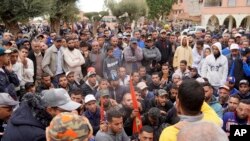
(110, 136)
(50, 61)
(132, 59)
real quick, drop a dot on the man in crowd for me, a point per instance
(233, 103)
(223, 95)
(90, 86)
(45, 84)
(123, 77)
(146, 134)
(244, 89)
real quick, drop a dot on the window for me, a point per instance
(231, 2)
(213, 3)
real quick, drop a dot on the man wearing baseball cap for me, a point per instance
(231, 83)
(244, 89)
(9, 79)
(30, 120)
(7, 103)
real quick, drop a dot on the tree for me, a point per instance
(14, 11)
(159, 8)
(133, 8)
(62, 10)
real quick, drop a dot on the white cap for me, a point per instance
(234, 46)
(89, 97)
(141, 85)
(238, 35)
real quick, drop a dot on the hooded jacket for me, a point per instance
(216, 106)
(183, 53)
(29, 121)
(215, 70)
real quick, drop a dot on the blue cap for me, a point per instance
(133, 40)
(4, 51)
(231, 79)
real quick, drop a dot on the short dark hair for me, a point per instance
(191, 96)
(113, 113)
(84, 44)
(23, 47)
(207, 84)
(183, 62)
(147, 129)
(245, 101)
(200, 42)
(69, 39)
(76, 91)
(45, 75)
(155, 73)
(61, 76)
(235, 96)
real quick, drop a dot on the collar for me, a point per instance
(191, 118)
(37, 54)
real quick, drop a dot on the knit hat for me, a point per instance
(69, 126)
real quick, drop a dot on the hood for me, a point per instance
(218, 45)
(213, 100)
(186, 40)
(31, 112)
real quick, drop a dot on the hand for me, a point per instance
(134, 113)
(103, 126)
(244, 58)
(163, 82)
(9, 67)
(163, 112)
(25, 63)
(113, 102)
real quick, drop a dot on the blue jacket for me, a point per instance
(141, 44)
(246, 69)
(230, 118)
(94, 119)
(226, 51)
(23, 126)
(8, 82)
(216, 106)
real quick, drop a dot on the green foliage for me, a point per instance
(133, 8)
(159, 8)
(96, 16)
(21, 10)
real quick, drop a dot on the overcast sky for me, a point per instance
(90, 5)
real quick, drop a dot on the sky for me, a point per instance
(90, 5)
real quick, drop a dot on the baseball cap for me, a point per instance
(163, 31)
(126, 34)
(224, 87)
(162, 92)
(149, 38)
(141, 85)
(238, 35)
(133, 40)
(59, 98)
(58, 38)
(231, 79)
(89, 97)
(69, 72)
(104, 92)
(4, 51)
(6, 99)
(234, 46)
(90, 73)
(243, 82)
(68, 126)
(119, 36)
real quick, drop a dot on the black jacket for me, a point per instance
(32, 57)
(26, 123)
(166, 50)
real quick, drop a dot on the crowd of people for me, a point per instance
(86, 87)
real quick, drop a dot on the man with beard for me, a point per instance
(92, 112)
(117, 52)
(244, 89)
(223, 95)
(45, 84)
(161, 101)
(90, 86)
(236, 118)
(30, 120)
(156, 83)
(233, 103)
(73, 59)
(164, 47)
(215, 67)
(211, 99)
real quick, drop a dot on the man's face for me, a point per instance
(150, 43)
(116, 125)
(104, 85)
(114, 42)
(245, 44)
(5, 59)
(63, 82)
(92, 79)
(142, 72)
(233, 104)
(26, 44)
(172, 39)
(122, 72)
(47, 81)
(184, 42)
(91, 106)
(207, 38)
(164, 35)
(154, 35)
(183, 67)
(215, 50)
(230, 41)
(71, 45)
(58, 44)
(110, 52)
(165, 69)
(137, 35)
(6, 112)
(127, 101)
(198, 34)
(136, 77)
(114, 83)
(95, 47)
(101, 41)
(235, 52)
(36, 46)
(77, 98)
(173, 93)
(23, 53)
(161, 100)
(223, 94)
(156, 79)
(244, 88)
(71, 78)
(208, 92)
(242, 110)
(145, 136)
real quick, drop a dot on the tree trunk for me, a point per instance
(11, 25)
(55, 25)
